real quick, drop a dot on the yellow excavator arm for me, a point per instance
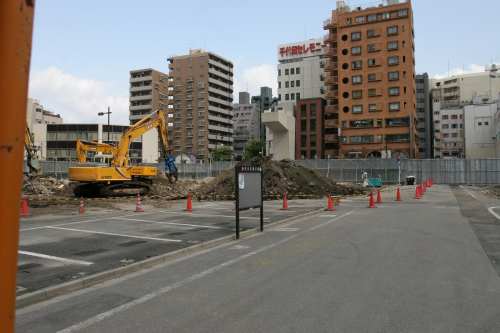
(31, 151)
(157, 120)
(83, 147)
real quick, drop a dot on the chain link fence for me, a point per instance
(453, 172)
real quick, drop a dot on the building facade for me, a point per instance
(37, 118)
(424, 116)
(300, 72)
(245, 123)
(370, 78)
(61, 139)
(309, 114)
(149, 91)
(203, 103)
(448, 127)
(481, 130)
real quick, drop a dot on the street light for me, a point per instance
(108, 113)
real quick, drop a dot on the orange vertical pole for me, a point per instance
(16, 27)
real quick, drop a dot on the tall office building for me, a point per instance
(370, 78)
(424, 116)
(203, 103)
(245, 123)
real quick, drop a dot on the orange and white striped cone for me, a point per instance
(371, 202)
(189, 203)
(81, 209)
(285, 202)
(25, 209)
(330, 204)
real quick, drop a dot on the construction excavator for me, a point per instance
(100, 149)
(31, 153)
(119, 178)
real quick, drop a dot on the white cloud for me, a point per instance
(77, 99)
(473, 68)
(251, 79)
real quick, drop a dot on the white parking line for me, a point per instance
(114, 234)
(211, 215)
(492, 212)
(170, 223)
(469, 192)
(63, 260)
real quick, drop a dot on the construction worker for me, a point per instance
(170, 167)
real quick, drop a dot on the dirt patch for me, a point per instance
(280, 177)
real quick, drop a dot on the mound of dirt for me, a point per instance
(163, 189)
(45, 186)
(280, 177)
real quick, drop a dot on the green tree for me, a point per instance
(223, 153)
(252, 149)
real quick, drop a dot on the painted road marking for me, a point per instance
(492, 212)
(118, 235)
(285, 229)
(60, 259)
(191, 226)
(469, 192)
(212, 215)
(239, 247)
(146, 298)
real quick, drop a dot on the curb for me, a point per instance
(72, 286)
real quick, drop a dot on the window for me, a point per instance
(357, 79)
(444, 117)
(360, 19)
(486, 123)
(445, 126)
(393, 60)
(297, 83)
(395, 106)
(287, 84)
(292, 96)
(393, 45)
(392, 30)
(393, 76)
(356, 36)
(292, 84)
(287, 97)
(357, 94)
(372, 77)
(394, 91)
(279, 72)
(454, 135)
(456, 126)
(372, 63)
(358, 64)
(372, 92)
(372, 18)
(279, 97)
(454, 116)
(279, 84)
(372, 108)
(356, 50)
(357, 109)
(298, 96)
(287, 71)
(372, 48)
(403, 13)
(371, 33)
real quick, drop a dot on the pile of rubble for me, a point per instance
(280, 177)
(163, 189)
(45, 186)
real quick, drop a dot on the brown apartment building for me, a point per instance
(309, 128)
(148, 92)
(203, 103)
(370, 78)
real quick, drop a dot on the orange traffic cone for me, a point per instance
(138, 204)
(189, 204)
(379, 197)
(81, 209)
(330, 204)
(371, 202)
(398, 194)
(285, 202)
(417, 192)
(25, 209)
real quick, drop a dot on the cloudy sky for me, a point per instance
(83, 50)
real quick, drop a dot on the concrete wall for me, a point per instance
(150, 148)
(280, 134)
(480, 130)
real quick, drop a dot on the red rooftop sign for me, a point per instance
(301, 49)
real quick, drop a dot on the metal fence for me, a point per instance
(456, 171)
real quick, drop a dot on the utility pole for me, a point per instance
(108, 113)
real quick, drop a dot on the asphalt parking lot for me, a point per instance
(56, 249)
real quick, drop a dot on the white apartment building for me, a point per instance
(300, 72)
(462, 89)
(245, 123)
(481, 130)
(37, 118)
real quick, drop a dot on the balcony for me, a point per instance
(140, 88)
(332, 109)
(330, 94)
(141, 98)
(327, 24)
(331, 123)
(331, 138)
(141, 78)
(140, 107)
(219, 101)
(330, 79)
